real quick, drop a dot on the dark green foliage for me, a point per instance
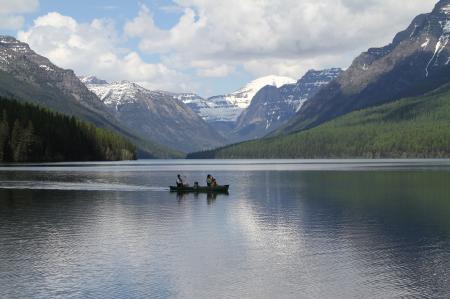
(30, 134)
(46, 95)
(409, 128)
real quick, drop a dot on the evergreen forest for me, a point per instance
(29, 133)
(416, 127)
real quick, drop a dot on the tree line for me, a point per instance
(29, 133)
(409, 128)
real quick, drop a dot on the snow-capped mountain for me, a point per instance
(415, 62)
(156, 115)
(30, 77)
(243, 97)
(117, 93)
(259, 107)
(272, 107)
(297, 94)
(91, 80)
(223, 111)
(22, 63)
(211, 110)
(227, 108)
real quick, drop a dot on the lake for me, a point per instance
(287, 229)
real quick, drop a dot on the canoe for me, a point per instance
(201, 189)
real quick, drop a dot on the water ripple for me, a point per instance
(75, 186)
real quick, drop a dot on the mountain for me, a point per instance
(272, 107)
(156, 115)
(417, 127)
(20, 63)
(220, 115)
(242, 97)
(222, 111)
(417, 61)
(29, 77)
(233, 104)
(91, 80)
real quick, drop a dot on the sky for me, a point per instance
(209, 47)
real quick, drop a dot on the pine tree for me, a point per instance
(4, 136)
(30, 133)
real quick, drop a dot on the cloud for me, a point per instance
(217, 39)
(281, 37)
(11, 12)
(216, 71)
(18, 6)
(95, 49)
(290, 67)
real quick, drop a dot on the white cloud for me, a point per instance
(11, 12)
(290, 67)
(18, 6)
(217, 39)
(11, 21)
(281, 37)
(94, 49)
(216, 71)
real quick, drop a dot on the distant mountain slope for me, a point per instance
(212, 111)
(156, 115)
(30, 77)
(243, 97)
(408, 128)
(272, 107)
(59, 87)
(417, 61)
(225, 109)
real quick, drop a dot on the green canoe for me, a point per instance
(201, 189)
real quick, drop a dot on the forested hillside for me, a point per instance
(29, 77)
(414, 63)
(408, 128)
(29, 134)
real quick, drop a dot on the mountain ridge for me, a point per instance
(272, 107)
(30, 77)
(156, 115)
(416, 127)
(415, 62)
(228, 107)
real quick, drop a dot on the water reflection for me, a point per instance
(393, 226)
(211, 197)
(309, 234)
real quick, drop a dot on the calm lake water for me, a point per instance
(288, 229)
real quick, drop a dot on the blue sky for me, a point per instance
(203, 46)
(119, 11)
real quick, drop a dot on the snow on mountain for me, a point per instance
(227, 108)
(194, 101)
(116, 93)
(156, 115)
(243, 97)
(297, 94)
(30, 77)
(91, 80)
(12, 50)
(21, 63)
(415, 62)
(221, 109)
(272, 107)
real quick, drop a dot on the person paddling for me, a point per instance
(211, 181)
(180, 182)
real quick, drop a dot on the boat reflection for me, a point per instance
(211, 197)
